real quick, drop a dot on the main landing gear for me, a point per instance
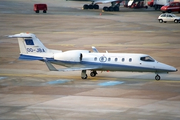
(84, 75)
(91, 6)
(157, 77)
(114, 6)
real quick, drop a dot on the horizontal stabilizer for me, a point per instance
(50, 66)
(21, 35)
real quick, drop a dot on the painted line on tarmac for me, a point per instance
(111, 83)
(59, 81)
(1, 78)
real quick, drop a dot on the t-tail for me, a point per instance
(31, 48)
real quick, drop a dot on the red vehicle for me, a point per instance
(171, 7)
(150, 3)
(139, 4)
(38, 7)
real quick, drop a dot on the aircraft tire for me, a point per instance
(90, 6)
(157, 77)
(84, 77)
(93, 74)
(105, 8)
(85, 6)
(116, 8)
(111, 9)
(96, 6)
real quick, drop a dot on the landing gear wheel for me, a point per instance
(85, 6)
(111, 9)
(93, 73)
(96, 6)
(157, 77)
(84, 77)
(91, 6)
(105, 9)
(83, 74)
(116, 8)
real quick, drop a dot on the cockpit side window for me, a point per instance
(147, 59)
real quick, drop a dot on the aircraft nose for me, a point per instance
(172, 69)
(167, 68)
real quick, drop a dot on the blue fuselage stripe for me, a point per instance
(100, 65)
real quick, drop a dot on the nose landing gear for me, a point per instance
(157, 77)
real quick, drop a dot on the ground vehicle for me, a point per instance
(171, 7)
(135, 4)
(157, 4)
(166, 17)
(150, 3)
(38, 7)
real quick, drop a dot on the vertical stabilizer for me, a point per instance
(29, 44)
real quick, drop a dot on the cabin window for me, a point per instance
(130, 59)
(109, 59)
(147, 59)
(95, 59)
(123, 59)
(116, 59)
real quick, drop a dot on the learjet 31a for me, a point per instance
(31, 48)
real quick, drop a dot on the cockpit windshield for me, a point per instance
(147, 59)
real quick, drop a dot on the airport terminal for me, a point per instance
(29, 90)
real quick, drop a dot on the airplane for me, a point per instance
(31, 48)
(94, 5)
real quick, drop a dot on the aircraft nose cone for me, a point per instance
(167, 68)
(174, 69)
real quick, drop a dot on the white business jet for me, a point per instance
(31, 48)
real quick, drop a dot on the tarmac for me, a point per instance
(29, 91)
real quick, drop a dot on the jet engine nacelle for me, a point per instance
(73, 55)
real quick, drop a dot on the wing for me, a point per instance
(78, 69)
(52, 68)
